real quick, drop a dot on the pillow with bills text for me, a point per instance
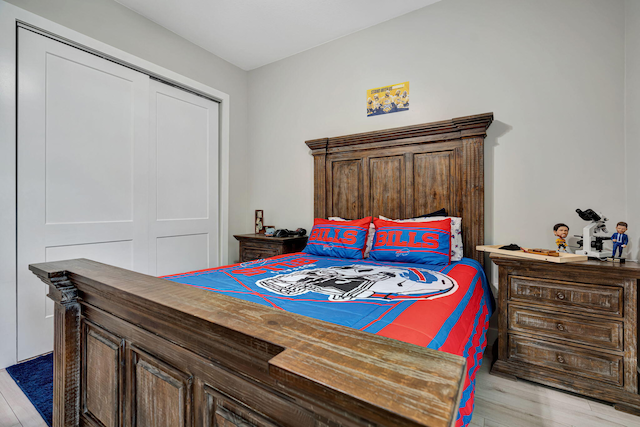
(426, 242)
(372, 232)
(340, 239)
(457, 251)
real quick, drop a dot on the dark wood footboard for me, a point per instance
(135, 350)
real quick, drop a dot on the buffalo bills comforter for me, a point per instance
(443, 308)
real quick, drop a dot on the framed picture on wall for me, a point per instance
(388, 99)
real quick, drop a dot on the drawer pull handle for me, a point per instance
(560, 296)
(560, 327)
(560, 359)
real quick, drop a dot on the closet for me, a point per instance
(112, 165)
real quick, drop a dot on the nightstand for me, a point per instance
(258, 246)
(571, 326)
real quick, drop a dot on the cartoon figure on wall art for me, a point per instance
(388, 106)
(561, 231)
(620, 239)
(401, 101)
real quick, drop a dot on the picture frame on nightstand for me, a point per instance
(259, 221)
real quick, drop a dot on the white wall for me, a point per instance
(632, 122)
(551, 71)
(120, 27)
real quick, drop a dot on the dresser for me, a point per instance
(258, 246)
(571, 326)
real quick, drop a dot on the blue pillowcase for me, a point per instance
(340, 239)
(416, 242)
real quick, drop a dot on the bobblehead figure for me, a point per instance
(620, 239)
(561, 231)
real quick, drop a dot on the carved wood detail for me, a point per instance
(319, 182)
(102, 375)
(565, 358)
(406, 172)
(473, 197)
(433, 182)
(580, 297)
(161, 395)
(66, 348)
(224, 411)
(387, 176)
(346, 188)
(577, 329)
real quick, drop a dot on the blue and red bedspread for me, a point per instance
(443, 308)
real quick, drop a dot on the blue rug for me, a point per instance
(35, 378)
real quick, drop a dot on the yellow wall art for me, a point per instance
(388, 99)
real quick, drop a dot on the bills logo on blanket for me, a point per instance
(361, 281)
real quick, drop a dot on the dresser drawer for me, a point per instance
(575, 296)
(584, 363)
(602, 333)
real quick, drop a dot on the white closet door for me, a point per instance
(183, 181)
(82, 171)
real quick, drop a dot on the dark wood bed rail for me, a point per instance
(135, 350)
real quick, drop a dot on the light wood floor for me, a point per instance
(499, 403)
(15, 409)
(505, 403)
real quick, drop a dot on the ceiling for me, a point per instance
(253, 33)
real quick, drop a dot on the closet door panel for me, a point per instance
(182, 161)
(183, 208)
(82, 168)
(88, 143)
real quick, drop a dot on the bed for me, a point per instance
(360, 295)
(232, 347)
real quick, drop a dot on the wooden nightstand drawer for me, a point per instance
(596, 332)
(584, 363)
(259, 246)
(251, 253)
(575, 296)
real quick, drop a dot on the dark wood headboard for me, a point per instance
(406, 172)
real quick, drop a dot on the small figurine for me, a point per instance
(620, 239)
(561, 231)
